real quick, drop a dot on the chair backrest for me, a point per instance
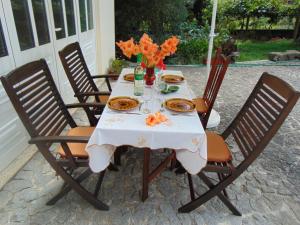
(219, 65)
(36, 99)
(261, 116)
(77, 71)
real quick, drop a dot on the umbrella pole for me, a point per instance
(214, 118)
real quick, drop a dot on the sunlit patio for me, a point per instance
(267, 193)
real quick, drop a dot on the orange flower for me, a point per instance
(152, 53)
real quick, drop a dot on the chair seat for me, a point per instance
(103, 98)
(201, 105)
(77, 149)
(217, 149)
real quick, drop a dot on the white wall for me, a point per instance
(105, 34)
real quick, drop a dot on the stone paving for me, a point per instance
(268, 193)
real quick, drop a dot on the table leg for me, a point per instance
(146, 168)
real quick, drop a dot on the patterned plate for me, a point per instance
(129, 77)
(180, 105)
(173, 79)
(123, 103)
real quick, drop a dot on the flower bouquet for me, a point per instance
(152, 54)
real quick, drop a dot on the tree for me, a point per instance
(293, 11)
(244, 10)
(156, 17)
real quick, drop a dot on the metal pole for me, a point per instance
(214, 118)
(212, 35)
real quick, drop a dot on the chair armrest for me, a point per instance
(92, 93)
(106, 76)
(59, 139)
(85, 105)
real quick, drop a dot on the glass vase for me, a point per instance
(149, 76)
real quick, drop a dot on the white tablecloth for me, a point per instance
(184, 133)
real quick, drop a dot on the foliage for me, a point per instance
(194, 43)
(258, 50)
(157, 18)
(117, 65)
(246, 9)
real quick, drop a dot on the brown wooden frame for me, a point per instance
(40, 107)
(81, 79)
(148, 176)
(265, 110)
(219, 65)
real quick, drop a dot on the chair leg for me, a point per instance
(146, 168)
(112, 167)
(117, 156)
(99, 182)
(223, 198)
(67, 188)
(215, 190)
(71, 181)
(192, 192)
(221, 177)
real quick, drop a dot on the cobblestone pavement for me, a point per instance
(268, 193)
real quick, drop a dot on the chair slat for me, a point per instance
(42, 113)
(261, 114)
(273, 102)
(35, 95)
(24, 84)
(242, 138)
(257, 128)
(239, 143)
(49, 120)
(267, 106)
(247, 132)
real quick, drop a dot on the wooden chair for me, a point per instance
(84, 86)
(82, 81)
(204, 105)
(36, 99)
(254, 126)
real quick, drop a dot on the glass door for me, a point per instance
(87, 34)
(65, 32)
(28, 26)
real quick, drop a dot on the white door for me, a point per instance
(87, 34)
(28, 26)
(13, 136)
(65, 29)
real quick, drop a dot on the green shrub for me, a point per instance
(193, 45)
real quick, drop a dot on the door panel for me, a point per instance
(63, 15)
(27, 42)
(21, 23)
(13, 136)
(87, 39)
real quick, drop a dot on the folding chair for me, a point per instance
(36, 99)
(204, 105)
(81, 79)
(84, 86)
(254, 126)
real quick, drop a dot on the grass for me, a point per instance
(258, 50)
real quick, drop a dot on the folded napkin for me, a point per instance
(155, 119)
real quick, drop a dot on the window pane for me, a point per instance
(82, 15)
(41, 22)
(58, 19)
(23, 23)
(70, 17)
(90, 14)
(3, 49)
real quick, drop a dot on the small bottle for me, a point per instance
(138, 81)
